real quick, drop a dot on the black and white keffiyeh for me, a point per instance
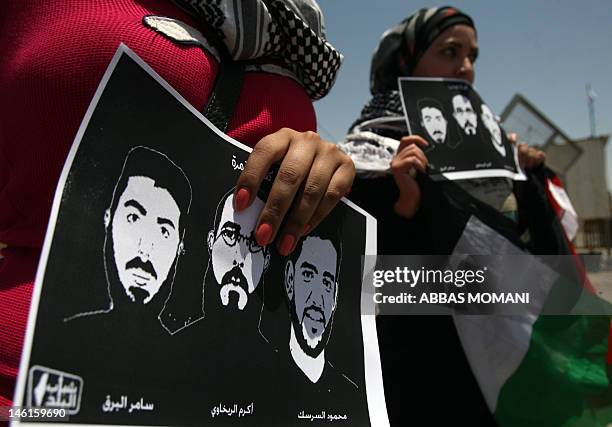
(291, 32)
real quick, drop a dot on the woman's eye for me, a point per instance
(165, 232)
(449, 51)
(132, 217)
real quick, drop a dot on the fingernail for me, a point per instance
(348, 192)
(306, 230)
(286, 244)
(263, 235)
(241, 199)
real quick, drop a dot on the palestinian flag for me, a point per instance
(533, 370)
(569, 219)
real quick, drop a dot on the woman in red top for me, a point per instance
(53, 57)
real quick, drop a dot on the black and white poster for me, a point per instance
(464, 135)
(154, 304)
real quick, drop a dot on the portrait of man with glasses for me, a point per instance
(237, 263)
(232, 304)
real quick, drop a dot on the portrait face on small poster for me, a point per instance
(464, 135)
(152, 291)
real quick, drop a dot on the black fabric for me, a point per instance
(426, 373)
(438, 224)
(546, 232)
(222, 101)
(382, 104)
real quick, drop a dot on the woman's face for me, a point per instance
(452, 55)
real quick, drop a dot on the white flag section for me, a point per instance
(154, 303)
(569, 217)
(495, 345)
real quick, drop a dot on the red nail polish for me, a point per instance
(241, 199)
(263, 235)
(348, 192)
(286, 244)
(307, 229)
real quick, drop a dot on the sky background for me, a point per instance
(546, 50)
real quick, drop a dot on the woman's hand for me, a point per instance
(313, 174)
(529, 157)
(407, 161)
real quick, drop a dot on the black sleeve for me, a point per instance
(396, 235)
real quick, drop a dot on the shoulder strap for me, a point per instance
(223, 98)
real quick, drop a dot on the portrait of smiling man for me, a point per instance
(312, 290)
(311, 285)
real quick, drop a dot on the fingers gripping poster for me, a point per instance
(465, 139)
(154, 304)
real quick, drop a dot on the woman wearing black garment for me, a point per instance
(426, 373)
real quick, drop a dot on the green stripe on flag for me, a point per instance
(563, 371)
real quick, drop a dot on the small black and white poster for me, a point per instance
(154, 304)
(464, 135)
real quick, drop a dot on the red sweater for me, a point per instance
(53, 55)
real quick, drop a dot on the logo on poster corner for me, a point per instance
(53, 389)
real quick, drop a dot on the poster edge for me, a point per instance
(375, 391)
(49, 234)
(484, 173)
(401, 92)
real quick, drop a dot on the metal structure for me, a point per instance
(532, 126)
(579, 163)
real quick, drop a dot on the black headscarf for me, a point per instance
(402, 46)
